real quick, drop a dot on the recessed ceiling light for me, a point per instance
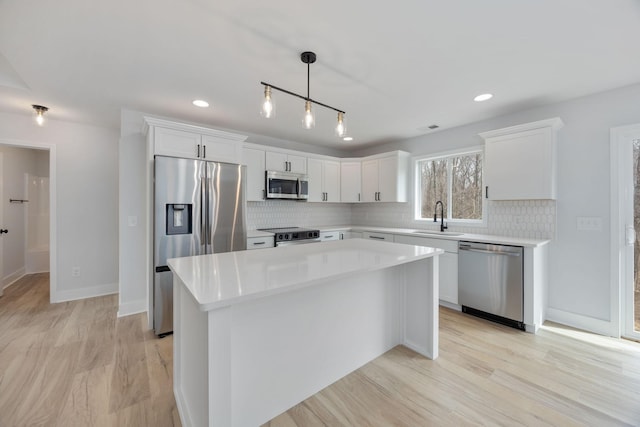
(483, 97)
(347, 138)
(200, 103)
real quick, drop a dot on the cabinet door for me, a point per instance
(369, 180)
(315, 180)
(331, 180)
(449, 277)
(254, 159)
(388, 179)
(276, 161)
(221, 150)
(350, 181)
(520, 166)
(177, 143)
(297, 164)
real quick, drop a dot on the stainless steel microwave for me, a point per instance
(284, 185)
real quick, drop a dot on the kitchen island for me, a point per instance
(256, 332)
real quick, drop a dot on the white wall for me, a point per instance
(86, 202)
(17, 162)
(579, 292)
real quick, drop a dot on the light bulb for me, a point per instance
(268, 106)
(341, 127)
(40, 110)
(309, 121)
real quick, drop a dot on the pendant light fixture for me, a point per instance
(308, 119)
(40, 110)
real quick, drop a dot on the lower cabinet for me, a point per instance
(260, 242)
(448, 264)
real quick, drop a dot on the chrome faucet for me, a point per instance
(443, 226)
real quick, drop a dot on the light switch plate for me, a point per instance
(589, 223)
(132, 221)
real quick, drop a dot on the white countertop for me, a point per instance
(225, 279)
(484, 238)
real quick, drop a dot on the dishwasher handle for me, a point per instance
(485, 251)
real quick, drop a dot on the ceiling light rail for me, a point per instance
(268, 105)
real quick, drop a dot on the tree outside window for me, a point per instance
(456, 181)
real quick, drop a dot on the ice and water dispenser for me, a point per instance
(179, 218)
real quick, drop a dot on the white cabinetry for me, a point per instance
(324, 180)
(520, 161)
(260, 242)
(193, 142)
(350, 180)
(254, 159)
(448, 264)
(285, 162)
(351, 235)
(377, 236)
(325, 236)
(384, 177)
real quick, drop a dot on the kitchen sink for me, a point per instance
(437, 233)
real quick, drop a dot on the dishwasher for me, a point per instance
(490, 282)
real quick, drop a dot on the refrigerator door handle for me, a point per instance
(204, 230)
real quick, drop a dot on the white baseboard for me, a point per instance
(82, 293)
(450, 305)
(12, 278)
(598, 326)
(133, 307)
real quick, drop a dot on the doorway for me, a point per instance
(31, 226)
(625, 222)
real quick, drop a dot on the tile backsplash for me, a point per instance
(534, 219)
(288, 213)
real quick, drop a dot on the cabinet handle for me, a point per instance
(329, 237)
(204, 151)
(358, 196)
(198, 152)
(486, 192)
(264, 195)
(258, 243)
(376, 237)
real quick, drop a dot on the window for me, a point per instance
(456, 180)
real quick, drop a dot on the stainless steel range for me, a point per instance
(293, 235)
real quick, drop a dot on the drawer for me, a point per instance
(325, 236)
(377, 236)
(260, 242)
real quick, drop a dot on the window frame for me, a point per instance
(417, 193)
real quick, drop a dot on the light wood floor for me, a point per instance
(76, 364)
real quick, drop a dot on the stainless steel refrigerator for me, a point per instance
(200, 208)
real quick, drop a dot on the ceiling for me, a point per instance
(394, 67)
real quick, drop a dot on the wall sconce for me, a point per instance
(40, 110)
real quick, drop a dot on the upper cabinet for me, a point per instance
(255, 161)
(192, 142)
(324, 180)
(284, 162)
(385, 177)
(520, 161)
(350, 180)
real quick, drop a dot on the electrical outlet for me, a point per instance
(75, 272)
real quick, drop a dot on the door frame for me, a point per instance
(53, 244)
(621, 208)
